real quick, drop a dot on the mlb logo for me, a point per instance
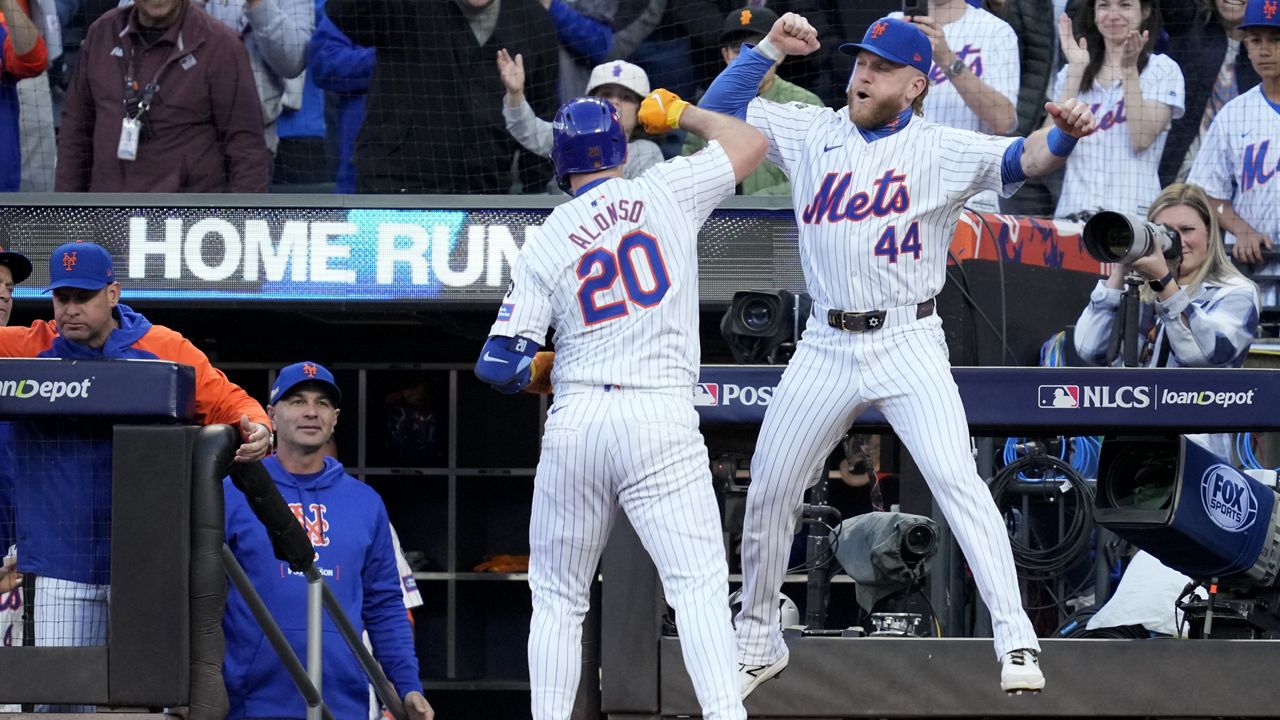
(707, 394)
(1059, 396)
(504, 312)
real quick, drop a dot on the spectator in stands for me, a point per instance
(22, 55)
(681, 54)
(1039, 56)
(1204, 39)
(14, 268)
(343, 69)
(1237, 163)
(63, 498)
(973, 82)
(749, 26)
(587, 37)
(1198, 310)
(624, 85)
(432, 123)
(1133, 91)
(276, 33)
(303, 159)
(190, 121)
(348, 526)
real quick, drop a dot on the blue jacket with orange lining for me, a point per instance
(64, 506)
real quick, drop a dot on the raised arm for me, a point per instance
(738, 84)
(1147, 117)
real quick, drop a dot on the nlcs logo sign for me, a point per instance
(1094, 396)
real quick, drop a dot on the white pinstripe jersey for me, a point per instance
(615, 271)
(1240, 159)
(876, 218)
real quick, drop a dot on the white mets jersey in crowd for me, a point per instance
(1103, 172)
(875, 231)
(615, 271)
(1240, 159)
(988, 46)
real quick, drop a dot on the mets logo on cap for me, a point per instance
(1261, 13)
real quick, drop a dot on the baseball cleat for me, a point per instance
(1020, 671)
(750, 676)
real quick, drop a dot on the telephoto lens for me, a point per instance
(1113, 237)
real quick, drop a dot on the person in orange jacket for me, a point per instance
(64, 499)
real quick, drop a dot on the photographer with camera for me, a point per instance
(1197, 309)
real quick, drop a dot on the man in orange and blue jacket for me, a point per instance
(64, 500)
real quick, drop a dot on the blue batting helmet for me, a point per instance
(586, 136)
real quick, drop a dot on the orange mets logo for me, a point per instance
(744, 18)
(1269, 9)
(69, 260)
(879, 30)
(309, 370)
(316, 526)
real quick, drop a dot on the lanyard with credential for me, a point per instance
(149, 90)
(135, 123)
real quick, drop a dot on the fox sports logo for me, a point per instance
(1228, 499)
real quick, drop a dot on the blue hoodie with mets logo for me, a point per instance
(348, 525)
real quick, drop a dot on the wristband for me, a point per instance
(769, 50)
(1159, 285)
(1060, 143)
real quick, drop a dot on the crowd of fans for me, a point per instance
(452, 96)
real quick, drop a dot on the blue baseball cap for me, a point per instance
(301, 373)
(82, 265)
(897, 41)
(1261, 13)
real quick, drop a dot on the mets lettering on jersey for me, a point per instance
(970, 55)
(889, 195)
(1254, 171)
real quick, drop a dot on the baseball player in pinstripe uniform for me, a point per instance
(877, 193)
(615, 272)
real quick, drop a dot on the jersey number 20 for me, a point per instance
(888, 245)
(599, 271)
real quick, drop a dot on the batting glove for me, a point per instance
(661, 111)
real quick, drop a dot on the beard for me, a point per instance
(873, 114)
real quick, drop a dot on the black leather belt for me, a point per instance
(862, 322)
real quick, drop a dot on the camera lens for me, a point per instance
(757, 316)
(918, 541)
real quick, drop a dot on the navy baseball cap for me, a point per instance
(17, 263)
(82, 265)
(1261, 13)
(301, 373)
(897, 41)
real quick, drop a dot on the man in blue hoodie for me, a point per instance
(348, 526)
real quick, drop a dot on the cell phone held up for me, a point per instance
(911, 8)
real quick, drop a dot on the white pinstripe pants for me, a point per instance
(833, 376)
(641, 451)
